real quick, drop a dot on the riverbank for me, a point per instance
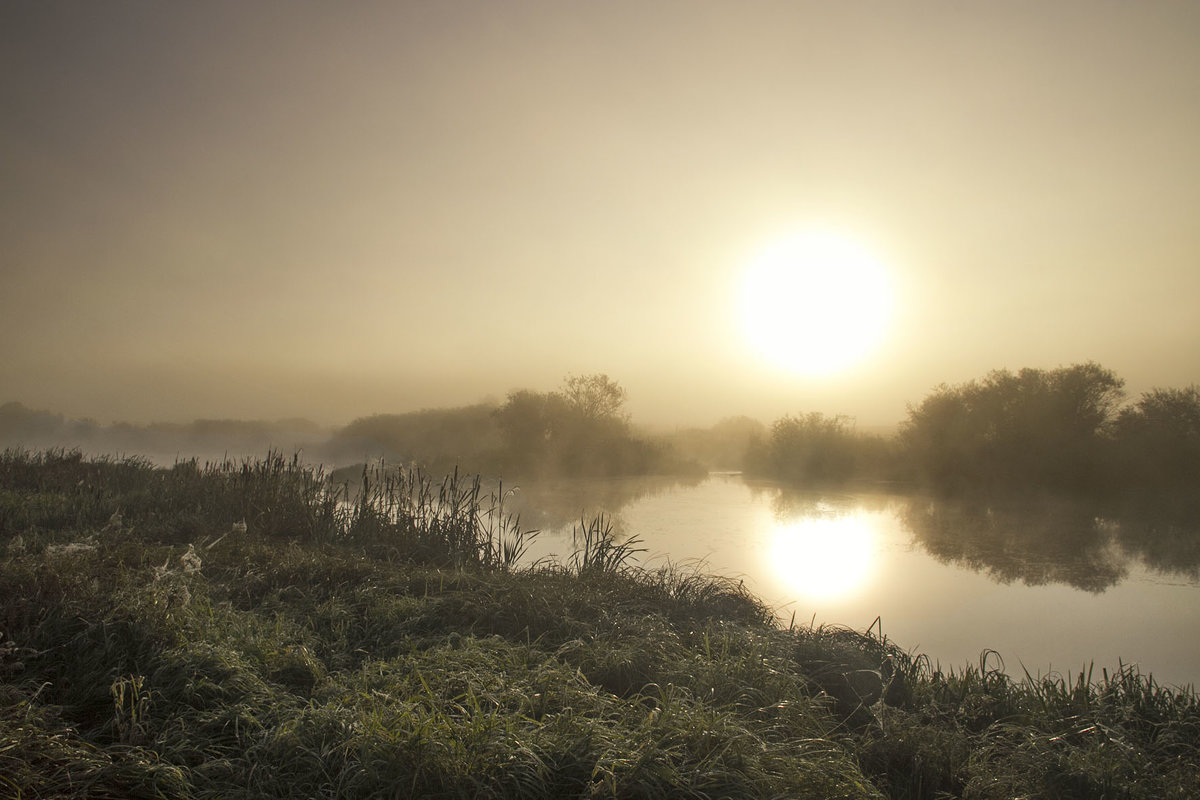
(245, 631)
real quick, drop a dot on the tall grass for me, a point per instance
(251, 630)
(407, 514)
(599, 550)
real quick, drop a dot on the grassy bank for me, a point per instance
(249, 630)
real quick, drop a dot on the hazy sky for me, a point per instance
(278, 209)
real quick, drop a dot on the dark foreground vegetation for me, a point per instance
(246, 630)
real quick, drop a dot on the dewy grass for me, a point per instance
(251, 631)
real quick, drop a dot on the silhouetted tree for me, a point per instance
(1158, 440)
(579, 430)
(1032, 428)
(810, 448)
(529, 423)
(596, 397)
(439, 438)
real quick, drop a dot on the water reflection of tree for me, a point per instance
(1037, 542)
(1164, 532)
(1043, 541)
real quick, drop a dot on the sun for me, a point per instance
(815, 303)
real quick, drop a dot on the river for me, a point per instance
(1049, 587)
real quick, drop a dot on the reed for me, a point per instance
(598, 550)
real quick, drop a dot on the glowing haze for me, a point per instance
(328, 210)
(815, 303)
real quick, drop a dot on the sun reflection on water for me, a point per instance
(823, 557)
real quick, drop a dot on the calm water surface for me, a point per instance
(1051, 588)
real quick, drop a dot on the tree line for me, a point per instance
(1065, 430)
(580, 429)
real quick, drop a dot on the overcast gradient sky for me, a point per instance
(273, 209)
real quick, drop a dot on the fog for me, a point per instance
(274, 211)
